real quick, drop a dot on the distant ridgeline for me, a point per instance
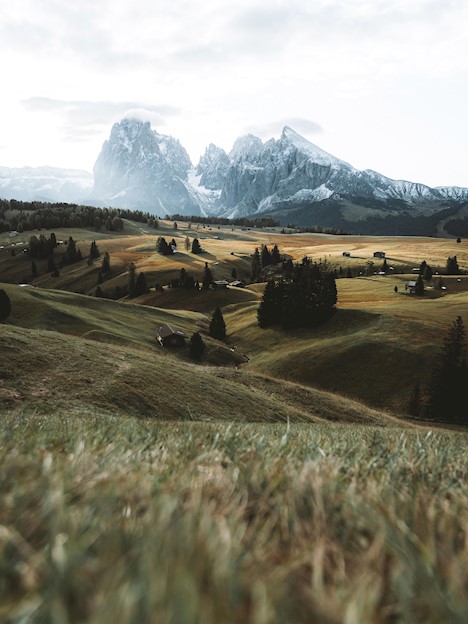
(37, 215)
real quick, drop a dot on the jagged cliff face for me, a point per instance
(289, 178)
(213, 167)
(293, 171)
(139, 168)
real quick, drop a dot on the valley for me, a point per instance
(371, 352)
(281, 476)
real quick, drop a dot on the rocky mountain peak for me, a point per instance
(248, 147)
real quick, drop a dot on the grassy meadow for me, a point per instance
(111, 519)
(278, 480)
(373, 351)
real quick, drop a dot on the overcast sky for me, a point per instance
(381, 84)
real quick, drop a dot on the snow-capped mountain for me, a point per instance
(289, 178)
(212, 168)
(48, 184)
(142, 169)
(292, 171)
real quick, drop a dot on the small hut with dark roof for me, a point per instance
(170, 336)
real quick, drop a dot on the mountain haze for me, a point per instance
(289, 178)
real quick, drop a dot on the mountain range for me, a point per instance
(290, 179)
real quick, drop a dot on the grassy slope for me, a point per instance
(105, 356)
(115, 520)
(374, 349)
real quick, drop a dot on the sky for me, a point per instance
(381, 84)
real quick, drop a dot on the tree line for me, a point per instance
(260, 222)
(44, 215)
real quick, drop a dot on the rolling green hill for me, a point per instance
(375, 348)
(68, 351)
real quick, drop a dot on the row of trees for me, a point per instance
(261, 222)
(42, 215)
(262, 259)
(167, 249)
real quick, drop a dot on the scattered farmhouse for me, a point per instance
(170, 336)
(379, 254)
(13, 233)
(411, 286)
(220, 284)
(238, 284)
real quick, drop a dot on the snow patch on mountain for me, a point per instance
(319, 156)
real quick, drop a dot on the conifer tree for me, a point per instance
(34, 268)
(419, 288)
(141, 286)
(275, 255)
(447, 392)
(265, 256)
(106, 263)
(131, 279)
(217, 325)
(182, 277)
(94, 251)
(269, 310)
(196, 249)
(5, 305)
(452, 266)
(256, 266)
(207, 277)
(197, 346)
(427, 275)
(187, 243)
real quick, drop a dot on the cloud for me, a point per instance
(85, 119)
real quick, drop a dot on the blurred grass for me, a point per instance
(115, 520)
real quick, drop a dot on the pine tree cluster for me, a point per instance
(307, 299)
(163, 247)
(452, 266)
(185, 280)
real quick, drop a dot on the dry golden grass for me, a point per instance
(376, 347)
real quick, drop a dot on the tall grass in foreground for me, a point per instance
(111, 520)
